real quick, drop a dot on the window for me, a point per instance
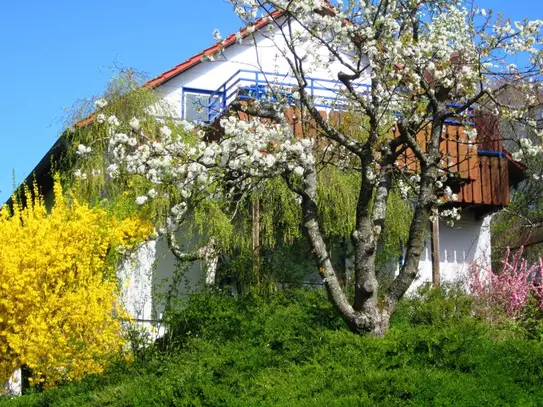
(201, 106)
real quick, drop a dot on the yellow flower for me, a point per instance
(58, 292)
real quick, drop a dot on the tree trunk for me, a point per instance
(369, 318)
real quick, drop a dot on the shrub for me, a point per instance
(512, 297)
(59, 313)
(289, 350)
(511, 288)
(218, 315)
(430, 306)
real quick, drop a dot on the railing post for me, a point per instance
(223, 105)
(209, 107)
(256, 85)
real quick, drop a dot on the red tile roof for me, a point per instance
(196, 59)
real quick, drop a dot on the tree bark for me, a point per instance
(368, 319)
(207, 253)
(421, 217)
(365, 238)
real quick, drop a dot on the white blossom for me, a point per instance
(83, 150)
(165, 131)
(134, 124)
(113, 121)
(140, 200)
(217, 35)
(113, 170)
(100, 103)
(187, 126)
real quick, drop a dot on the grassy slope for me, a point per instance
(291, 350)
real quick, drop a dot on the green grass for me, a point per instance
(292, 350)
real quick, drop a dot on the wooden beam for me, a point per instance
(435, 252)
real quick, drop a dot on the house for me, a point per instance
(205, 85)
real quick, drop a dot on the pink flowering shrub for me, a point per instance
(510, 290)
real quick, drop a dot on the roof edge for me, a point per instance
(60, 145)
(197, 58)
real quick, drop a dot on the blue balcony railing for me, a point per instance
(258, 85)
(204, 105)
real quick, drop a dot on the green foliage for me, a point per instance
(290, 349)
(209, 220)
(286, 257)
(126, 99)
(396, 229)
(531, 321)
(285, 265)
(514, 226)
(337, 195)
(434, 307)
(288, 264)
(280, 214)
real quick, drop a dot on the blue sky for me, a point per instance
(55, 52)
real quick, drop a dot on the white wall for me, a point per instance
(467, 241)
(210, 75)
(149, 274)
(14, 385)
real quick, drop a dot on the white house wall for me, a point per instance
(210, 75)
(148, 278)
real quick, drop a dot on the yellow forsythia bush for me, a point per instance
(59, 313)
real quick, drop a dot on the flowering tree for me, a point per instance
(418, 57)
(510, 289)
(59, 313)
(217, 215)
(426, 62)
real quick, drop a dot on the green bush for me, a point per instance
(429, 306)
(291, 349)
(221, 317)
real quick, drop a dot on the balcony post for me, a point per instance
(435, 252)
